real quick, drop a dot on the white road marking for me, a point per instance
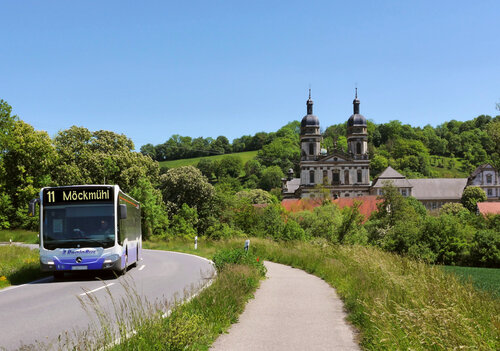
(142, 267)
(92, 291)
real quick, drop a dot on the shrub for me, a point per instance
(293, 231)
(225, 257)
(485, 250)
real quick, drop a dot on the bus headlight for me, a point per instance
(46, 260)
(111, 258)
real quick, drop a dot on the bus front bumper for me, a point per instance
(100, 264)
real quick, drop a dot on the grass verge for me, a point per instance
(396, 303)
(133, 323)
(18, 265)
(197, 324)
(19, 235)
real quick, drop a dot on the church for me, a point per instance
(342, 174)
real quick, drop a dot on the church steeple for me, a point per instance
(309, 104)
(356, 103)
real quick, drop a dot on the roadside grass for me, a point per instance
(19, 235)
(245, 156)
(396, 303)
(18, 265)
(189, 322)
(197, 324)
(487, 279)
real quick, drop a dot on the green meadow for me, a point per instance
(245, 156)
(487, 279)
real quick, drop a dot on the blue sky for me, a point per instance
(150, 69)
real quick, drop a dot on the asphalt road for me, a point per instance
(44, 309)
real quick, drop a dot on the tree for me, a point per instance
(281, 152)
(207, 167)
(453, 208)
(471, 196)
(253, 167)
(271, 178)
(86, 157)
(255, 196)
(28, 159)
(377, 164)
(186, 185)
(149, 150)
(229, 166)
(153, 210)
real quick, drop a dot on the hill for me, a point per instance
(245, 156)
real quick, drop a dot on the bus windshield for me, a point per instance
(78, 225)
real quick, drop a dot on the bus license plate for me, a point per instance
(79, 268)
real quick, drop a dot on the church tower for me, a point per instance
(357, 132)
(310, 136)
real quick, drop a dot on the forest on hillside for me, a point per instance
(216, 199)
(411, 150)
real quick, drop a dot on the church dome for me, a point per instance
(356, 118)
(309, 120)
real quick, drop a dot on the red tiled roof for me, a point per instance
(367, 207)
(486, 208)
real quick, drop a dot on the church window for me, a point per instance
(311, 177)
(311, 149)
(358, 148)
(360, 176)
(347, 195)
(488, 179)
(346, 177)
(325, 177)
(335, 178)
(403, 192)
(490, 192)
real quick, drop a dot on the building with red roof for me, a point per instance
(488, 208)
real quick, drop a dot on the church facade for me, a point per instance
(340, 173)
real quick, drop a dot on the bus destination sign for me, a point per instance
(71, 195)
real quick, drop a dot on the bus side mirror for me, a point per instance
(32, 207)
(123, 211)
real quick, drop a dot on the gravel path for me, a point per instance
(292, 310)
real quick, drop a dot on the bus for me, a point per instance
(88, 227)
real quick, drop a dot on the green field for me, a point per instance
(245, 156)
(482, 278)
(19, 235)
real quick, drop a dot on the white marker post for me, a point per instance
(247, 245)
(196, 242)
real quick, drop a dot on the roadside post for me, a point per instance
(247, 244)
(196, 242)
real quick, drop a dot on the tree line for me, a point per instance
(410, 150)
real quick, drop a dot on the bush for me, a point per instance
(220, 231)
(485, 250)
(225, 257)
(293, 231)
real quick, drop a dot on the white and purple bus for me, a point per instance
(88, 227)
